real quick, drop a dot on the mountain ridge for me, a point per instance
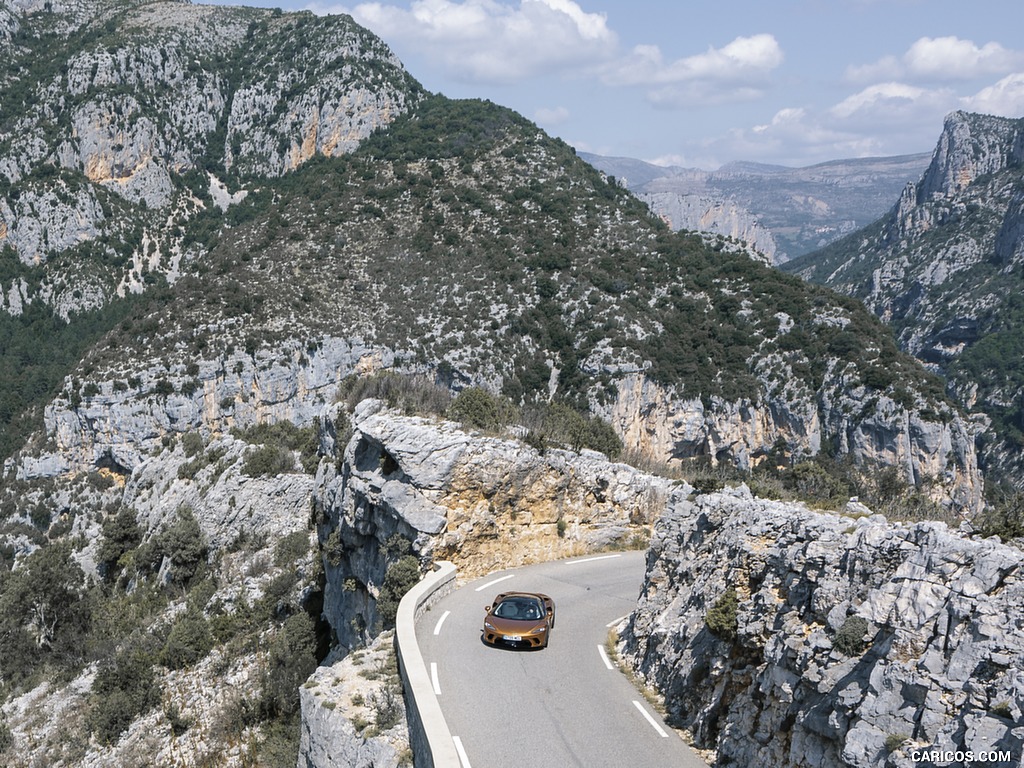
(943, 269)
(800, 208)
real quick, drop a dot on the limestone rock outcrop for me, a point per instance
(126, 418)
(482, 502)
(353, 713)
(853, 642)
(722, 217)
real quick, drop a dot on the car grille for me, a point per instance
(525, 641)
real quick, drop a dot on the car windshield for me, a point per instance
(522, 609)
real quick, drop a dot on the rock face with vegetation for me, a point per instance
(166, 617)
(944, 269)
(411, 490)
(783, 636)
(707, 214)
(353, 712)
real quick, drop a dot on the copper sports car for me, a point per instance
(520, 619)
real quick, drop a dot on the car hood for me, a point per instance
(514, 626)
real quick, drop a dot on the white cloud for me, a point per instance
(551, 115)
(743, 58)
(783, 118)
(946, 58)
(891, 102)
(1005, 98)
(940, 59)
(737, 71)
(487, 41)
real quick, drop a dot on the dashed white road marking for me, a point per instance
(591, 559)
(651, 720)
(463, 758)
(433, 678)
(604, 657)
(437, 628)
(482, 587)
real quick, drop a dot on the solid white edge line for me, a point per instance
(591, 559)
(433, 678)
(610, 624)
(482, 587)
(651, 720)
(437, 628)
(604, 657)
(463, 757)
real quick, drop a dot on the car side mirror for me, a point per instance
(487, 609)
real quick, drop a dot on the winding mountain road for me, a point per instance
(565, 705)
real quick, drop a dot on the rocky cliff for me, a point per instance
(483, 503)
(943, 268)
(706, 214)
(117, 114)
(784, 636)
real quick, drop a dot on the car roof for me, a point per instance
(534, 595)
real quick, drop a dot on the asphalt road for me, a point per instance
(560, 706)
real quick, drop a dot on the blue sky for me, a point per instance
(699, 84)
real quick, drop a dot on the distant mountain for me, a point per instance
(785, 212)
(945, 269)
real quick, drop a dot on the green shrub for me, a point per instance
(291, 659)
(291, 549)
(277, 441)
(1003, 517)
(123, 689)
(401, 576)
(894, 741)
(182, 544)
(562, 424)
(121, 535)
(849, 639)
(188, 641)
(268, 461)
(185, 546)
(409, 394)
(192, 443)
(179, 725)
(163, 388)
(721, 618)
(811, 481)
(476, 408)
(45, 610)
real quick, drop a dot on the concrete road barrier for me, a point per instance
(429, 737)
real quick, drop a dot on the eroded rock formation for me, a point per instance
(853, 641)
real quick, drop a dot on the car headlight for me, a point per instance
(539, 631)
(488, 625)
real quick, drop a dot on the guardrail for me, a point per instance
(429, 737)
